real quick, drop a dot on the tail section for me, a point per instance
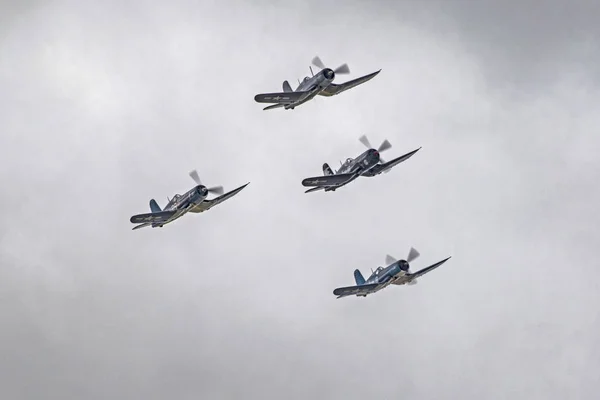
(360, 280)
(327, 169)
(273, 106)
(154, 207)
(287, 87)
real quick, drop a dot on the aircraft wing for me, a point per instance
(334, 89)
(379, 168)
(208, 204)
(157, 217)
(355, 290)
(426, 270)
(279, 98)
(329, 180)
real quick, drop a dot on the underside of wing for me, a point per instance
(379, 168)
(426, 270)
(279, 98)
(334, 88)
(153, 218)
(328, 180)
(208, 204)
(360, 290)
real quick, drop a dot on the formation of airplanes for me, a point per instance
(368, 164)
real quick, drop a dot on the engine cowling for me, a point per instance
(403, 264)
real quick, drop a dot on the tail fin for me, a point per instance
(154, 207)
(360, 280)
(327, 170)
(287, 87)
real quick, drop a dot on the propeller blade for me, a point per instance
(215, 190)
(382, 161)
(318, 63)
(385, 145)
(413, 282)
(389, 260)
(413, 254)
(195, 177)
(342, 69)
(363, 139)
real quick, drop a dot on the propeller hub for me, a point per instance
(374, 156)
(329, 74)
(202, 191)
(403, 264)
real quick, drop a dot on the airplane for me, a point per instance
(396, 273)
(193, 200)
(367, 164)
(319, 84)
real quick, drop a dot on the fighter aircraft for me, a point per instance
(396, 273)
(192, 201)
(319, 84)
(368, 164)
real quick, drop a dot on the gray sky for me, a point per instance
(104, 106)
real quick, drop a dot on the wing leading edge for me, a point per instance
(428, 269)
(279, 98)
(328, 180)
(334, 89)
(152, 218)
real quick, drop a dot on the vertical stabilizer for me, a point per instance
(154, 207)
(287, 87)
(360, 280)
(327, 169)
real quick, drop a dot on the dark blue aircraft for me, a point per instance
(396, 273)
(368, 164)
(192, 201)
(319, 84)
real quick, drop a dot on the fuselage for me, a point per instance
(360, 164)
(183, 203)
(313, 85)
(385, 276)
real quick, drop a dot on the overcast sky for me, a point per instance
(105, 105)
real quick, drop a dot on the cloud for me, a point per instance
(107, 106)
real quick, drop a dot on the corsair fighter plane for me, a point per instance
(368, 164)
(319, 84)
(192, 201)
(396, 273)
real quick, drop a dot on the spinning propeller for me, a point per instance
(214, 190)
(342, 69)
(413, 254)
(385, 145)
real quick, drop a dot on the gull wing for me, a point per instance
(334, 88)
(208, 204)
(360, 290)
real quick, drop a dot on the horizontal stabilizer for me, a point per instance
(141, 226)
(314, 189)
(273, 106)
